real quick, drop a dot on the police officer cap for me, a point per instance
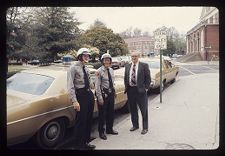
(106, 55)
(83, 51)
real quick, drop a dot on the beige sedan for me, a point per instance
(38, 106)
(169, 72)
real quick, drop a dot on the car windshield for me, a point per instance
(29, 83)
(153, 64)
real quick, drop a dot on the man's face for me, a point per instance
(107, 62)
(134, 57)
(85, 58)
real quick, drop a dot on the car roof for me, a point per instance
(156, 59)
(49, 71)
(52, 70)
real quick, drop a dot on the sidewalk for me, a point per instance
(197, 63)
(186, 119)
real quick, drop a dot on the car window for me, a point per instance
(29, 83)
(153, 64)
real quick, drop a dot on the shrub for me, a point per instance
(96, 64)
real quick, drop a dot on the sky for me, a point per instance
(145, 18)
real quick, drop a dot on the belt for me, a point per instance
(107, 90)
(132, 86)
(83, 89)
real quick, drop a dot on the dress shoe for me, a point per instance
(91, 139)
(144, 131)
(113, 132)
(103, 136)
(133, 129)
(87, 147)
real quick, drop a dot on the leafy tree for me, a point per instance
(98, 23)
(170, 48)
(41, 32)
(56, 30)
(15, 38)
(104, 39)
(127, 33)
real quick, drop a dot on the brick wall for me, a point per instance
(213, 40)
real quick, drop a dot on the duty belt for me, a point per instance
(107, 90)
(83, 89)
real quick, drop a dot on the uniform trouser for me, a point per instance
(136, 98)
(83, 121)
(106, 114)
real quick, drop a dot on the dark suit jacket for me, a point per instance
(143, 77)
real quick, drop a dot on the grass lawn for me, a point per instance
(13, 69)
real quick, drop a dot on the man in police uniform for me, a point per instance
(105, 94)
(82, 99)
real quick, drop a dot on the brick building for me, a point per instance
(204, 37)
(143, 44)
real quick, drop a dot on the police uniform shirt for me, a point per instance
(102, 80)
(75, 78)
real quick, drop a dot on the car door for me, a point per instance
(168, 71)
(121, 98)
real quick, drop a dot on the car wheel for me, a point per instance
(174, 78)
(51, 134)
(126, 108)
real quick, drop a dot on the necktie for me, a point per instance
(110, 79)
(86, 81)
(133, 76)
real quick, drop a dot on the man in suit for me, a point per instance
(137, 80)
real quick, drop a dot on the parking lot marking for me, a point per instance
(187, 70)
(210, 68)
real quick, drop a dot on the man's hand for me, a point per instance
(76, 106)
(100, 102)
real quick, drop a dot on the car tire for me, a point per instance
(51, 134)
(173, 80)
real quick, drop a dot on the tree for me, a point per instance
(104, 39)
(57, 30)
(146, 33)
(170, 48)
(41, 32)
(14, 37)
(127, 33)
(137, 32)
(98, 23)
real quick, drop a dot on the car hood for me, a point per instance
(15, 98)
(154, 72)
